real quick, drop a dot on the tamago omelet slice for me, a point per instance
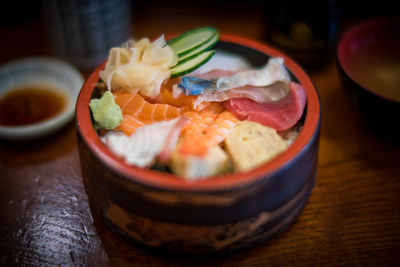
(214, 162)
(251, 144)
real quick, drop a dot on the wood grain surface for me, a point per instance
(351, 219)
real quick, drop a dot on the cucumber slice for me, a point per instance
(191, 64)
(192, 39)
(202, 48)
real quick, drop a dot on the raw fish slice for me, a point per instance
(142, 111)
(137, 106)
(171, 94)
(263, 94)
(122, 98)
(273, 72)
(172, 140)
(177, 98)
(280, 115)
(146, 143)
(129, 124)
(214, 74)
(195, 85)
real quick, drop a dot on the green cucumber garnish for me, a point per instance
(190, 40)
(190, 64)
(202, 48)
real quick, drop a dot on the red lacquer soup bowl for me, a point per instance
(369, 64)
(220, 214)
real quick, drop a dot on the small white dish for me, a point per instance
(50, 72)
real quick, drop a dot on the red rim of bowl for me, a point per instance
(169, 181)
(348, 38)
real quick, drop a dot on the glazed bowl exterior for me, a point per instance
(369, 39)
(220, 214)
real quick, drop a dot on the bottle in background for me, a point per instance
(305, 30)
(83, 31)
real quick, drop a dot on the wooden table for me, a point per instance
(352, 217)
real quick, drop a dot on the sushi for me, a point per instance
(182, 108)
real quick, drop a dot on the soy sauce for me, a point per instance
(30, 104)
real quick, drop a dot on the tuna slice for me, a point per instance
(280, 115)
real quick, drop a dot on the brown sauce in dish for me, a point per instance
(30, 104)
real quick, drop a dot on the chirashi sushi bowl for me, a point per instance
(206, 157)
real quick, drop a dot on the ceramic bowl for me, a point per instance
(369, 65)
(40, 71)
(220, 214)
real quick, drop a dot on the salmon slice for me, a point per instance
(137, 111)
(181, 100)
(129, 124)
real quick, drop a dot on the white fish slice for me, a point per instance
(273, 72)
(144, 145)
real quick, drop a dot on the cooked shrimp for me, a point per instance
(206, 130)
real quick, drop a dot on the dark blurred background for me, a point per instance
(22, 22)
(28, 11)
